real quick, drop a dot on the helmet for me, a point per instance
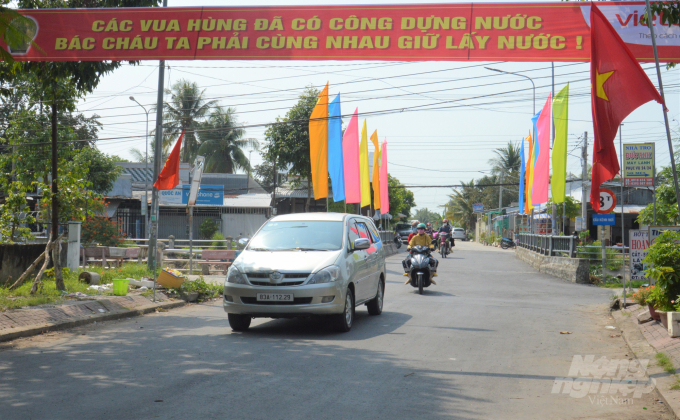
(428, 223)
(414, 223)
(421, 226)
(445, 221)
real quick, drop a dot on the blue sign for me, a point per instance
(604, 219)
(211, 195)
(477, 208)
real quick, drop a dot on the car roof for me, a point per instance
(339, 217)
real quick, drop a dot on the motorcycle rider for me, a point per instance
(422, 238)
(447, 228)
(414, 230)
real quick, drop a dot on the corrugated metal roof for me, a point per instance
(287, 191)
(248, 201)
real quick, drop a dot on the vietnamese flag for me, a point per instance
(169, 176)
(619, 86)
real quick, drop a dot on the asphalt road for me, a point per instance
(484, 343)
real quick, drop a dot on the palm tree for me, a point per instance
(222, 143)
(459, 208)
(185, 111)
(507, 160)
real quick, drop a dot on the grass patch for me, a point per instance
(21, 297)
(665, 362)
(636, 284)
(676, 385)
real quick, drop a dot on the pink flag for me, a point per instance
(384, 195)
(350, 156)
(541, 167)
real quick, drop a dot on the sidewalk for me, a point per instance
(33, 321)
(646, 340)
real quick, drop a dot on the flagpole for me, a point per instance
(650, 17)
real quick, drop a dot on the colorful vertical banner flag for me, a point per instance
(376, 170)
(619, 86)
(350, 156)
(336, 168)
(521, 178)
(384, 181)
(559, 153)
(169, 176)
(318, 145)
(363, 168)
(530, 175)
(542, 165)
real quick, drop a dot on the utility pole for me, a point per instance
(158, 152)
(650, 17)
(500, 193)
(584, 181)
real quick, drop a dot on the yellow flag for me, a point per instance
(363, 168)
(376, 170)
(318, 145)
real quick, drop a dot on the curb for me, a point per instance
(33, 330)
(641, 349)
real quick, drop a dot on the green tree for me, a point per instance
(184, 112)
(666, 204)
(459, 207)
(102, 169)
(507, 160)
(424, 215)
(287, 140)
(222, 143)
(401, 199)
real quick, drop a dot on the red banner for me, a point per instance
(454, 32)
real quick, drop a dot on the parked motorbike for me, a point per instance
(397, 240)
(444, 244)
(418, 267)
(507, 243)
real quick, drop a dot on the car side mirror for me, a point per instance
(361, 243)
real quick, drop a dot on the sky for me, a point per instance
(435, 147)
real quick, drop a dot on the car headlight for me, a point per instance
(235, 276)
(326, 275)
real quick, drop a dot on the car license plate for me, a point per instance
(274, 297)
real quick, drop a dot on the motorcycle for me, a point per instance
(435, 242)
(419, 268)
(507, 243)
(397, 240)
(444, 244)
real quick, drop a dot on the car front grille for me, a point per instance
(266, 283)
(296, 301)
(263, 279)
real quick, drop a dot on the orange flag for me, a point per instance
(318, 145)
(619, 86)
(169, 176)
(376, 170)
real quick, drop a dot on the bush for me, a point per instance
(640, 297)
(218, 244)
(100, 230)
(663, 260)
(207, 229)
(204, 290)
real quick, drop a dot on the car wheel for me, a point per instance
(375, 306)
(239, 322)
(345, 320)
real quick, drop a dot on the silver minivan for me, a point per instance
(307, 264)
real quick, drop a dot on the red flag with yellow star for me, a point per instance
(619, 86)
(169, 176)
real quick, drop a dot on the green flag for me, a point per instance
(559, 155)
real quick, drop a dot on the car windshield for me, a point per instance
(298, 236)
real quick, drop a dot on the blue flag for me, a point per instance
(521, 179)
(537, 150)
(336, 168)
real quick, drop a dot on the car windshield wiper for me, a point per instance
(303, 249)
(259, 249)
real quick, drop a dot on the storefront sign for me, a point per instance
(639, 245)
(655, 231)
(557, 31)
(477, 208)
(210, 195)
(638, 164)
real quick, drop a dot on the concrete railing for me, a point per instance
(547, 244)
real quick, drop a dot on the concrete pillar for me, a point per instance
(73, 249)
